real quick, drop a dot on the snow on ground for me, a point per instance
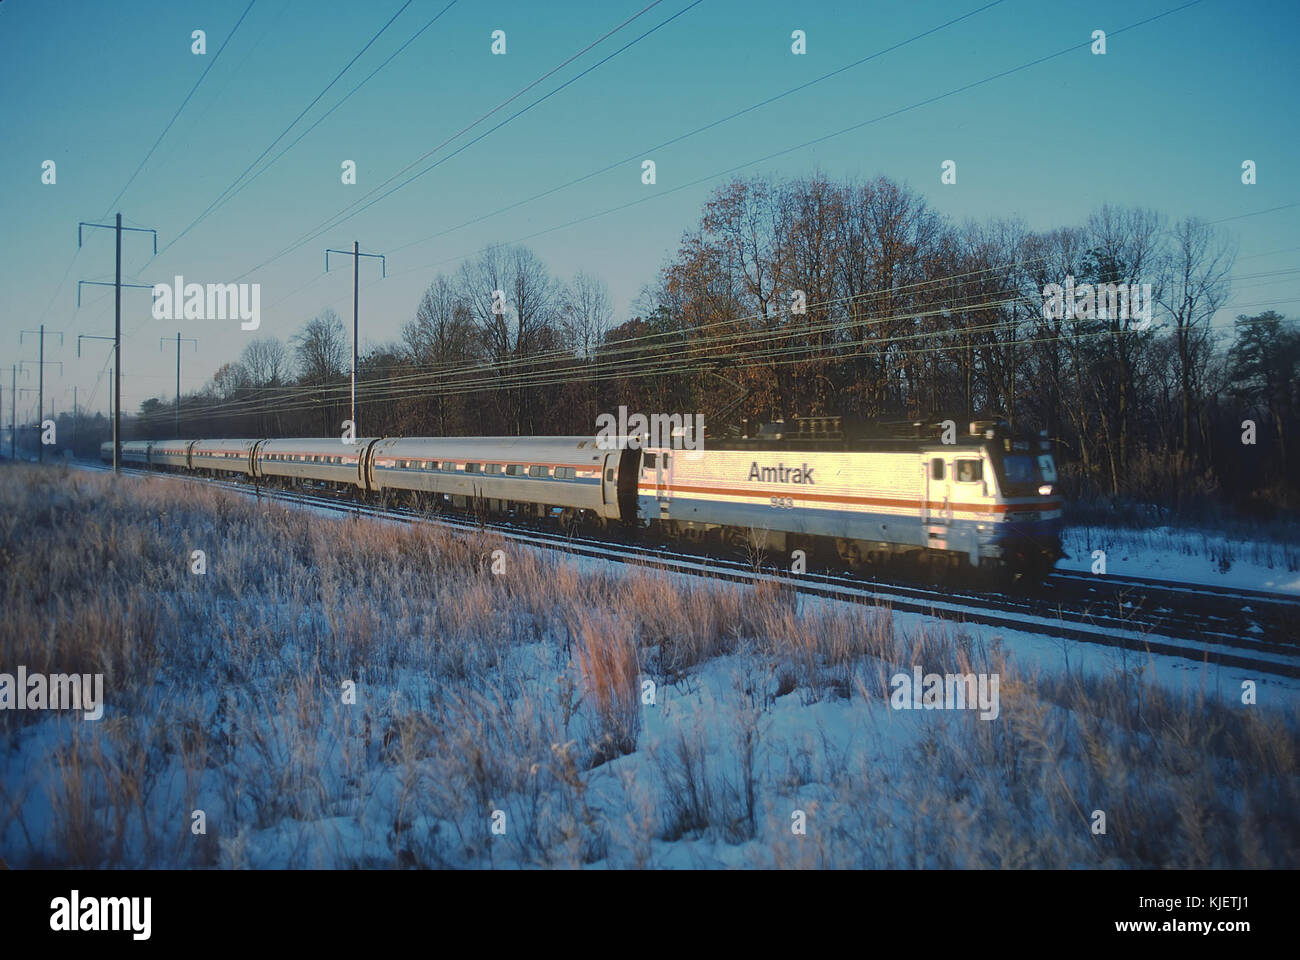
(1188, 556)
(477, 709)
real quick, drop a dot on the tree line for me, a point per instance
(814, 297)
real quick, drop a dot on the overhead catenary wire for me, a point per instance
(270, 146)
(608, 370)
(211, 63)
(206, 70)
(651, 370)
(660, 194)
(533, 359)
(324, 116)
(344, 214)
(1021, 263)
(670, 142)
(474, 123)
(701, 129)
(674, 337)
(817, 140)
(657, 195)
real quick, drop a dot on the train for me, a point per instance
(982, 500)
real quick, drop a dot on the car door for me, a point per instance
(936, 512)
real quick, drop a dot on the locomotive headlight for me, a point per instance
(1045, 490)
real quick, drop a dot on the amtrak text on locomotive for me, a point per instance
(781, 473)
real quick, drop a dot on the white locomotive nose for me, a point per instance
(1045, 490)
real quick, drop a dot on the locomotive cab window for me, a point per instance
(649, 460)
(936, 468)
(969, 471)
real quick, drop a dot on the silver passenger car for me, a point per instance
(223, 456)
(324, 459)
(565, 473)
(134, 452)
(171, 453)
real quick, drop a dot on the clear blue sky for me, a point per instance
(1164, 119)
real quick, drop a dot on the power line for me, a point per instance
(821, 139)
(489, 376)
(708, 126)
(659, 367)
(211, 63)
(611, 166)
(343, 214)
(1022, 263)
(117, 331)
(337, 104)
(686, 337)
(212, 206)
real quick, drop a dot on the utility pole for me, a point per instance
(13, 411)
(117, 350)
(117, 322)
(356, 271)
(179, 340)
(40, 405)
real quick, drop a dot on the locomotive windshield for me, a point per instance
(1021, 474)
(1018, 468)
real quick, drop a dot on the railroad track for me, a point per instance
(1232, 627)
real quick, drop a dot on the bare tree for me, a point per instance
(229, 379)
(267, 362)
(1196, 285)
(1124, 248)
(321, 349)
(586, 313)
(439, 342)
(515, 304)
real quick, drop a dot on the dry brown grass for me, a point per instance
(522, 693)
